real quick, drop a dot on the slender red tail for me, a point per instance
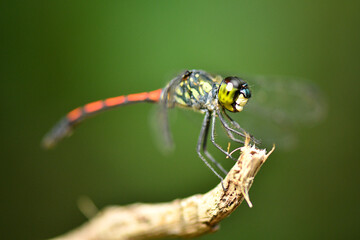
(65, 126)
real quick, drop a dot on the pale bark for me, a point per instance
(188, 217)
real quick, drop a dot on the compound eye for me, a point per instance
(234, 94)
(233, 82)
(230, 87)
(245, 91)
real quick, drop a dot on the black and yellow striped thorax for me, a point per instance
(197, 90)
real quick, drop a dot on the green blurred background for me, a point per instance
(57, 55)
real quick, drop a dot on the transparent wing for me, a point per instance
(160, 119)
(281, 106)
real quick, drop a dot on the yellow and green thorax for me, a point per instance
(199, 90)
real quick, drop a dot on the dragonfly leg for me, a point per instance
(237, 125)
(229, 130)
(229, 133)
(204, 148)
(234, 123)
(200, 145)
(212, 138)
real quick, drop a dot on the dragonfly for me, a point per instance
(213, 96)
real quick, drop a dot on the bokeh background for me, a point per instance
(57, 55)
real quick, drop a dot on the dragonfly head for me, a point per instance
(233, 94)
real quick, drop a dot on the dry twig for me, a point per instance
(188, 217)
